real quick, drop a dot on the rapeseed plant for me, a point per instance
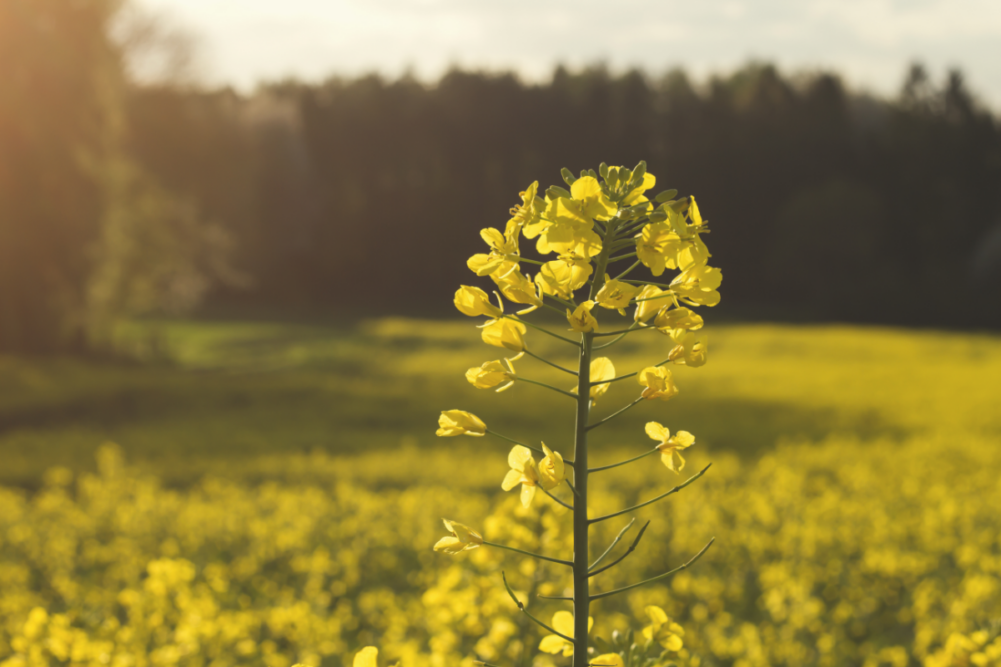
(603, 219)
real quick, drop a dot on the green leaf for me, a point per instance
(666, 195)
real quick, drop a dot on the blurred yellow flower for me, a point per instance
(563, 624)
(581, 319)
(602, 369)
(491, 374)
(522, 472)
(668, 446)
(461, 539)
(607, 660)
(473, 301)
(366, 657)
(659, 383)
(506, 333)
(663, 630)
(552, 470)
(460, 422)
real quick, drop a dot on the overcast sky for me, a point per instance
(869, 42)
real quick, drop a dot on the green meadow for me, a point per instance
(184, 399)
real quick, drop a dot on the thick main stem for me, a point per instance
(581, 557)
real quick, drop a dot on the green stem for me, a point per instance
(547, 386)
(622, 463)
(546, 361)
(621, 257)
(653, 500)
(659, 576)
(529, 553)
(634, 327)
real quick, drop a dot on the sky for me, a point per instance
(870, 42)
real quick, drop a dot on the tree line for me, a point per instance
(362, 196)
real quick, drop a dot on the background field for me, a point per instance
(275, 490)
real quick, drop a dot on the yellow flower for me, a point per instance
(554, 278)
(581, 319)
(366, 657)
(493, 373)
(615, 294)
(659, 383)
(473, 301)
(690, 349)
(697, 285)
(669, 447)
(552, 470)
(657, 247)
(636, 196)
(522, 472)
(460, 422)
(563, 624)
(693, 212)
(461, 539)
(602, 369)
(527, 213)
(593, 202)
(519, 289)
(650, 301)
(678, 318)
(663, 630)
(607, 660)
(506, 333)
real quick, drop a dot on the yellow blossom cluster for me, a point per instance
(873, 553)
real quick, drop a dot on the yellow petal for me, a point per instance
(657, 615)
(511, 480)
(563, 623)
(552, 644)
(607, 660)
(657, 432)
(366, 657)
(518, 457)
(527, 494)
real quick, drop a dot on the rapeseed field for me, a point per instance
(274, 493)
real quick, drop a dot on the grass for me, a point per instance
(200, 395)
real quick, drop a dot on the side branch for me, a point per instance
(612, 545)
(528, 553)
(518, 378)
(632, 547)
(659, 576)
(622, 463)
(521, 606)
(545, 331)
(653, 500)
(569, 507)
(614, 414)
(546, 361)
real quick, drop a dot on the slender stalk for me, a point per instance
(621, 257)
(547, 386)
(628, 271)
(653, 500)
(634, 327)
(553, 308)
(615, 414)
(611, 546)
(632, 548)
(659, 576)
(529, 553)
(546, 361)
(568, 506)
(622, 463)
(521, 606)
